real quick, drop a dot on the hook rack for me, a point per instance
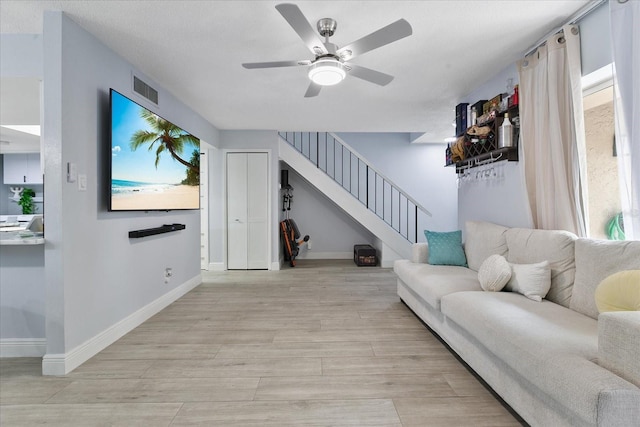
(491, 159)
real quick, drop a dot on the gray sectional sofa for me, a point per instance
(556, 362)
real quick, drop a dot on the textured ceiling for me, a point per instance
(195, 50)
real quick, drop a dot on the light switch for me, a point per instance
(82, 182)
(72, 172)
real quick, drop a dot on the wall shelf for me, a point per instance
(480, 151)
(167, 228)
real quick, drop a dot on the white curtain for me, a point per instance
(552, 142)
(625, 33)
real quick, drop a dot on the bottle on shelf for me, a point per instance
(506, 133)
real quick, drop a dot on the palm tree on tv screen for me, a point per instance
(168, 137)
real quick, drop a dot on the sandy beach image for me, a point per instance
(166, 198)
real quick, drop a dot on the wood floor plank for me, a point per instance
(372, 323)
(352, 387)
(303, 349)
(124, 351)
(334, 335)
(390, 365)
(328, 413)
(157, 390)
(15, 391)
(235, 368)
(453, 411)
(428, 346)
(129, 414)
(97, 368)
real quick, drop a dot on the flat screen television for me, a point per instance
(155, 165)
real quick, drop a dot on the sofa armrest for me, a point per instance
(419, 253)
(619, 344)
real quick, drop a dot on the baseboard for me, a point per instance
(62, 364)
(216, 266)
(325, 255)
(275, 266)
(23, 347)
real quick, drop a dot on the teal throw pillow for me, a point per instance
(445, 248)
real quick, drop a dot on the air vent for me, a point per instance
(145, 90)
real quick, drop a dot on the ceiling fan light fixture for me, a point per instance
(327, 72)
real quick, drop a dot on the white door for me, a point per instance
(257, 202)
(247, 211)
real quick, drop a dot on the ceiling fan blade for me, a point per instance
(299, 23)
(369, 75)
(312, 90)
(275, 64)
(385, 35)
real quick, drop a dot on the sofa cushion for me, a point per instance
(595, 261)
(483, 239)
(550, 346)
(528, 246)
(493, 317)
(619, 343)
(494, 273)
(445, 248)
(531, 280)
(432, 282)
(619, 292)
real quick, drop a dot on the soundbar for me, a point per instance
(167, 228)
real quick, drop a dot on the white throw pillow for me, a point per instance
(494, 273)
(531, 280)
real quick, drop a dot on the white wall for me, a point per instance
(418, 169)
(332, 232)
(95, 275)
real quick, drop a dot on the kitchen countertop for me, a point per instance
(21, 238)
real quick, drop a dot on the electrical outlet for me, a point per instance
(168, 272)
(309, 244)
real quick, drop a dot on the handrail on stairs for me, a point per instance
(356, 175)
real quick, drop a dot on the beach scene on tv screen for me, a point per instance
(155, 165)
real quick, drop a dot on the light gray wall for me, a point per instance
(244, 140)
(95, 275)
(595, 39)
(417, 169)
(21, 55)
(502, 201)
(22, 296)
(332, 232)
(22, 275)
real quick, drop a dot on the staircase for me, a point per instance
(372, 199)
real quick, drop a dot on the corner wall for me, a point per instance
(99, 283)
(332, 232)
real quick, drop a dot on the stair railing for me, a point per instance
(357, 176)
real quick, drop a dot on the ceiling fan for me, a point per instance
(329, 67)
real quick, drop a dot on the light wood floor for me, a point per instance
(322, 344)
